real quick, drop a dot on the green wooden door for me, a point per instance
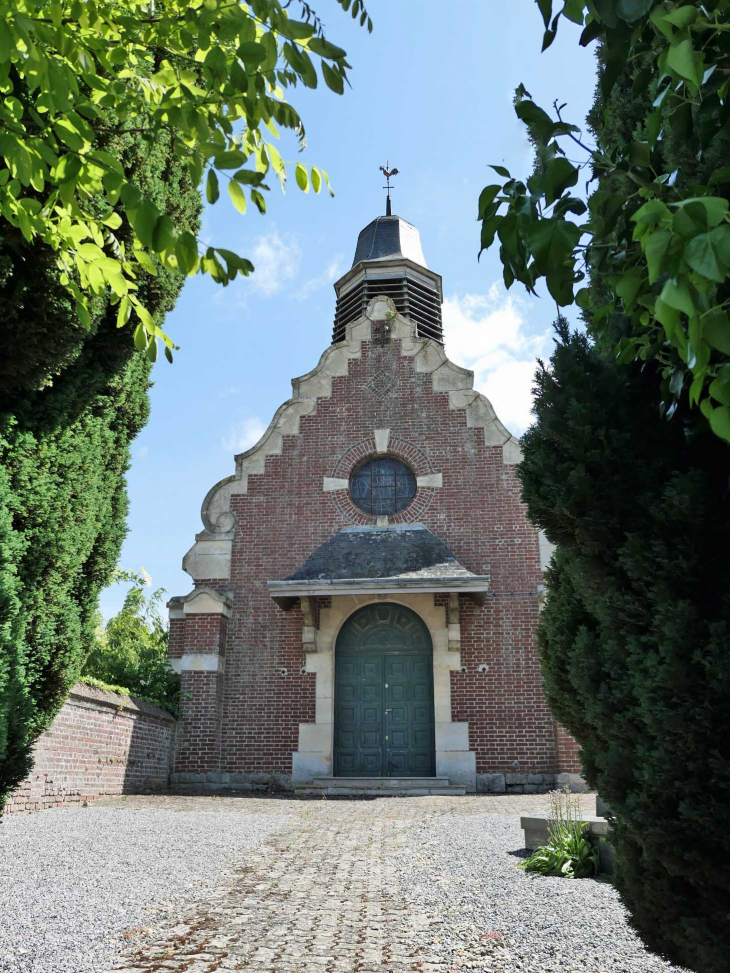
(384, 695)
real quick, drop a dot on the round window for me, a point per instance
(383, 486)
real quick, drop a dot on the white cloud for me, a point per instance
(277, 259)
(243, 435)
(329, 275)
(488, 334)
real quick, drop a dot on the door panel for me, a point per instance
(384, 723)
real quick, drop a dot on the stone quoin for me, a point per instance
(367, 584)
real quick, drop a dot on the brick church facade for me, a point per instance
(366, 584)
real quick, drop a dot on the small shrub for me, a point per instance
(568, 853)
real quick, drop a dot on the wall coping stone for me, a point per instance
(131, 704)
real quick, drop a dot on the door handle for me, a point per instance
(388, 711)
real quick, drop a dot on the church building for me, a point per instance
(366, 583)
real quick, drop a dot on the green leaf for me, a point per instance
(546, 9)
(654, 211)
(247, 176)
(681, 60)
(501, 171)
(716, 331)
(485, 199)
(302, 178)
(667, 316)
(123, 312)
(489, 228)
(69, 166)
(715, 207)
(681, 16)
(251, 52)
(640, 154)
(720, 422)
(538, 121)
(633, 10)
(316, 179)
(164, 233)
(677, 296)
(655, 247)
(258, 200)
(186, 251)
(212, 191)
(709, 253)
(559, 175)
(720, 391)
(143, 221)
(229, 160)
(140, 337)
(323, 47)
(295, 30)
(306, 69)
(629, 286)
(333, 79)
(237, 196)
(551, 241)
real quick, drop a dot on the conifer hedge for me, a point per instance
(635, 633)
(71, 401)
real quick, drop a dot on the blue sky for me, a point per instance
(431, 93)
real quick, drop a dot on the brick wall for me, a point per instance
(285, 515)
(100, 743)
(567, 751)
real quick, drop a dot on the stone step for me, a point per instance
(381, 787)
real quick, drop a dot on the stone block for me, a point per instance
(491, 784)
(516, 779)
(536, 779)
(460, 766)
(305, 766)
(531, 788)
(452, 736)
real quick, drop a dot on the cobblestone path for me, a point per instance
(317, 897)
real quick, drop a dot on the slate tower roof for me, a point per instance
(389, 260)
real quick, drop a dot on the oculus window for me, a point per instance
(383, 486)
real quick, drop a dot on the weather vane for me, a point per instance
(388, 173)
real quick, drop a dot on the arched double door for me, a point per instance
(384, 715)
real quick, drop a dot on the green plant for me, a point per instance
(568, 853)
(209, 75)
(71, 401)
(131, 649)
(657, 227)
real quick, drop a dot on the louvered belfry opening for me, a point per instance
(389, 261)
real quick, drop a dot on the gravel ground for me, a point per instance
(74, 881)
(480, 912)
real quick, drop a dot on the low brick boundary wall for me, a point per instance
(100, 743)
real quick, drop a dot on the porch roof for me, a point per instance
(379, 560)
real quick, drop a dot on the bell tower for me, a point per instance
(389, 260)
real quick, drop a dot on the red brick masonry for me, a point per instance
(100, 743)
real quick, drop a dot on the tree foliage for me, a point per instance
(131, 649)
(657, 229)
(210, 75)
(72, 398)
(635, 634)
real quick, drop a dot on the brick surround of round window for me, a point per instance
(366, 449)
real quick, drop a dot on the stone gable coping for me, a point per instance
(210, 556)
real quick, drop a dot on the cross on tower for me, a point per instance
(388, 173)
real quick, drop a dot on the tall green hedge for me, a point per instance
(71, 402)
(635, 634)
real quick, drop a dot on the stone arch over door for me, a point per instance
(383, 695)
(313, 756)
